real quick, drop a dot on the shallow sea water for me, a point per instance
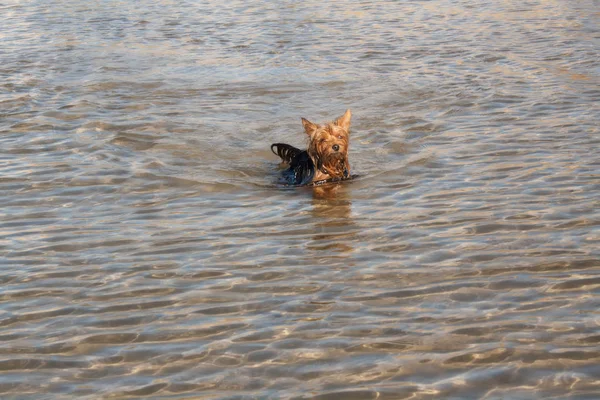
(146, 252)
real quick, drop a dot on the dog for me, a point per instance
(325, 160)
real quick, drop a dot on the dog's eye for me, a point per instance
(340, 137)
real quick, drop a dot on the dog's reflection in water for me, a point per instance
(334, 226)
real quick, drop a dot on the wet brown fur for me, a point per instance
(328, 147)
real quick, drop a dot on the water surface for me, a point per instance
(146, 251)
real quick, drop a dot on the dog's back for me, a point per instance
(301, 168)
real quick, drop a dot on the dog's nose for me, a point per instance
(335, 147)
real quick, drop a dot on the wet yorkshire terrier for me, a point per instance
(325, 160)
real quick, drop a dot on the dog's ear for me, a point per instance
(309, 127)
(344, 120)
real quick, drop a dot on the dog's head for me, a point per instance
(328, 145)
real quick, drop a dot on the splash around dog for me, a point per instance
(326, 158)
